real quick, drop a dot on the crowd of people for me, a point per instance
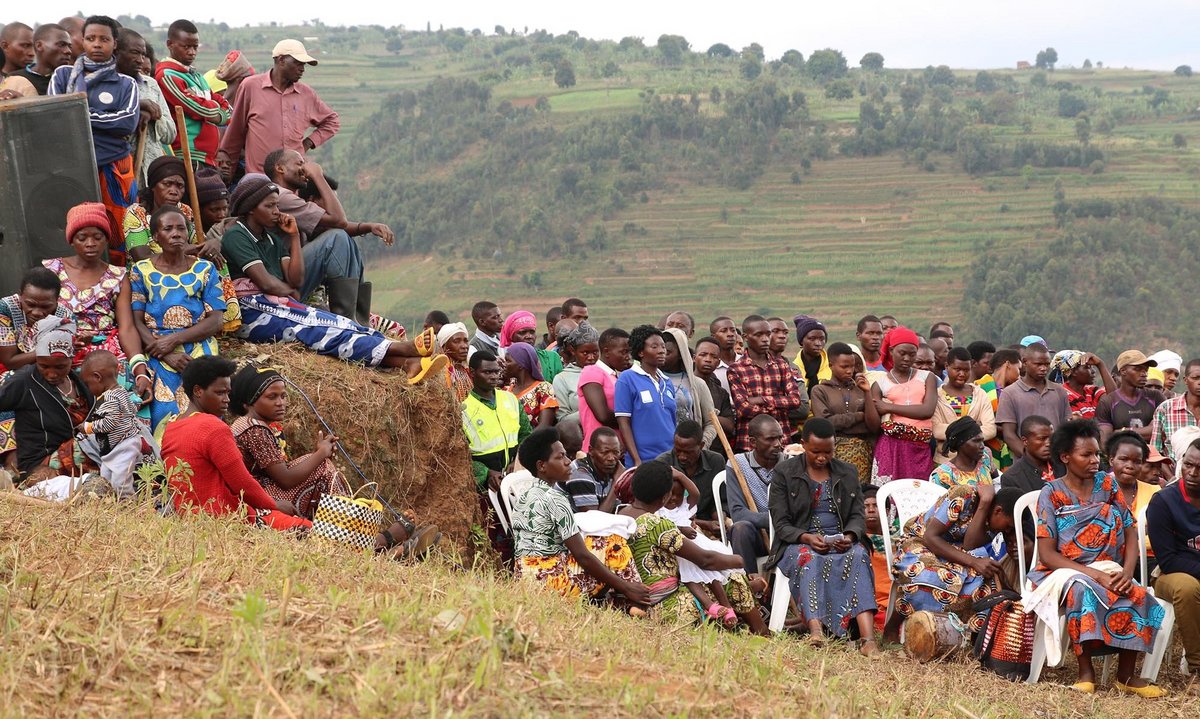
(112, 366)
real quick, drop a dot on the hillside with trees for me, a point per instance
(647, 174)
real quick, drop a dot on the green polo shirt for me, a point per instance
(242, 250)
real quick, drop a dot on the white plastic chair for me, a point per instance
(781, 593)
(498, 507)
(718, 483)
(1028, 503)
(1162, 641)
(911, 497)
(511, 487)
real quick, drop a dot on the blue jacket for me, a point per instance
(1174, 529)
(112, 107)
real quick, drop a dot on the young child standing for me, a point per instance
(112, 429)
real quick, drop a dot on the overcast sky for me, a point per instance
(1152, 34)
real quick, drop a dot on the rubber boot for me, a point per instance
(362, 314)
(343, 296)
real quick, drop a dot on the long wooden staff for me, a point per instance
(737, 471)
(141, 151)
(184, 144)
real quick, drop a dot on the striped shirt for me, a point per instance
(203, 109)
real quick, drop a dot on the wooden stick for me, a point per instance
(737, 471)
(141, 151)
(191, 175)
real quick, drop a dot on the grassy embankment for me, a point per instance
(117, 613)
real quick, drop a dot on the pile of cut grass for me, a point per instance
(109, 610)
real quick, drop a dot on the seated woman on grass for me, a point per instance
(259, 400)
(550, 549)
(946, 562)
(658, 545)
(1084, 524)
(204, 466)
(260, 248)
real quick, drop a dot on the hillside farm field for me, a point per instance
(841, 238)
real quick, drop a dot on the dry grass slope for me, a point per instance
(112, 611)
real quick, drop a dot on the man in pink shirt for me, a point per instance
(274, 109)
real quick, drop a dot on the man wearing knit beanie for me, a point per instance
(331, 257)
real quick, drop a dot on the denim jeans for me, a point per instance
(331, 255)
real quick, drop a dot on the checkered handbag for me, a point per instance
(351, 521)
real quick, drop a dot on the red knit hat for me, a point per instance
(89, 214)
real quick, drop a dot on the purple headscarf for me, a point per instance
(526, 356)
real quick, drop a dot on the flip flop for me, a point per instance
(418, 545)
(436, 366)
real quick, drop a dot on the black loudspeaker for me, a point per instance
(47, 166)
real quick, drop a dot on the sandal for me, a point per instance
(436, 366)
(731, 618)
(714, 612)
(417, 546)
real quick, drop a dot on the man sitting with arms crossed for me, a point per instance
(593, 477)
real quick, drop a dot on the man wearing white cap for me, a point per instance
(1171, 365)
(274, 109)
(1131, 406)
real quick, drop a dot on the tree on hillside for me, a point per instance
(941, 75)
(1184, 71)
(985, 81)
(719, 50)
(754, 50)
(672, 48)
(564, 74)
(827, 64)
(872, 62)
(1087, 64)
(1083, 129)
(1046, 59)
(911, 95)
(751, 68)
(610, 69)
(839, 90)
(631, 43)
(394, 45)
(793, 58)
(499, 30)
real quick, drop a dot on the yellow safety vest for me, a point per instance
(491, 430)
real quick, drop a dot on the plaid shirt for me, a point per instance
(1169, 417)
(775, 383)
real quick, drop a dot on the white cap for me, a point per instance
(1167, 360)
(295, 49)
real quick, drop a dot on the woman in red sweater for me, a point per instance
(206, 474)
(204, 465)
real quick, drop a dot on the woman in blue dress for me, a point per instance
(1085, 525)
(178, 309)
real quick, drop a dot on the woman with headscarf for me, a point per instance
(258, 399)
(48, 401)
(972, 464)
(450, 350)
(521, 326)
(905, 398)
(811, 360)
(1073, 370)
(535, 394)
(259, 248)
(959, 397)
(167, 185)
(177, 309)
(580, 348)
(693, 400)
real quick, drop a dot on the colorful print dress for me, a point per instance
(1087, 532)
(263, 445)
(542, 524)
(834, 587)
(930, 583)
(948, 475)
(173, 303)
(654, 544)
(136, 228)
(95, 308)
